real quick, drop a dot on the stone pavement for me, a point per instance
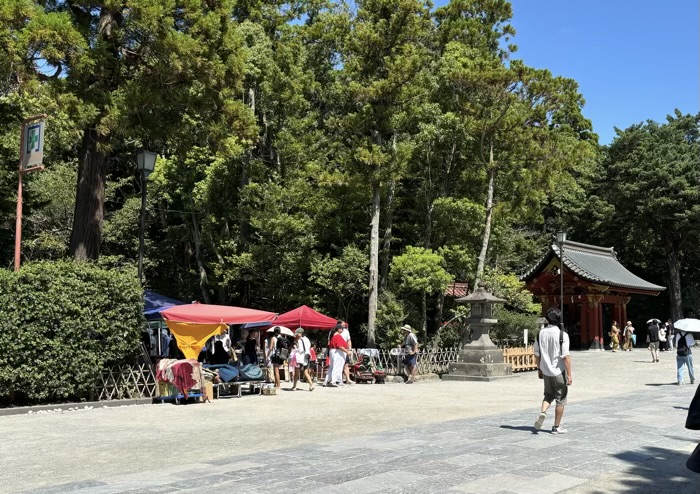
(630, 442)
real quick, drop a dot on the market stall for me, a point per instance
(193, 324)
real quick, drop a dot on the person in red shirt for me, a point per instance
(338, 350)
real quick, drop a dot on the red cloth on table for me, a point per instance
(183, 374)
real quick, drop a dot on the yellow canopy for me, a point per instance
(191, 337)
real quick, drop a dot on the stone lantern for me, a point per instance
(480, 360)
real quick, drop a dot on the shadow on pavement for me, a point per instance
(661, 384)
(656, 470)
(527, 428)
(677, 408)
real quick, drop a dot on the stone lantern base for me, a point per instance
(479, 363)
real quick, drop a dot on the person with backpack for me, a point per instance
(554, 367)
(277, 352)
(684, 356)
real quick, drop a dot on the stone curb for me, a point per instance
(73, 406)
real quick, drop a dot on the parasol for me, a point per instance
(283, 330)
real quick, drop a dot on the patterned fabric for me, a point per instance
(183, 374)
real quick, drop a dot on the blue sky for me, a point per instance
(633, 60)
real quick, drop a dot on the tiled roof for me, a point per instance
(595, 264)
(457, 289)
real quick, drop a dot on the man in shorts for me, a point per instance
(554, 366)
(410, 345)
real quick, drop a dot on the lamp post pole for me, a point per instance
(561, 238)
(146, 162)
(143, 225)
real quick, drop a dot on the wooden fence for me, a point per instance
(520, 358)
(126, 382)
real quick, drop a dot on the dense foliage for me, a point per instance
(61, 323)
(355, 157)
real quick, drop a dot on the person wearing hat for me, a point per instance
(303, 349)
(410, 345)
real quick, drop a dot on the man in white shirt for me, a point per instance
(346, 369)
(303, 358)
(554, 366)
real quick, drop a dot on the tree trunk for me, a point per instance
(424, 315)
(373, 264)
(386, 245)
(86, 236)
(245, 164)
(674, 276)
(487, 225)
(203, 279)
(440, 309)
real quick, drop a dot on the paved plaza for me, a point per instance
(625, 420)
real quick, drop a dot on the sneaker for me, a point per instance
(558, 429)
(692, 381)
(331, 385)
(680, 383)
(540, 420)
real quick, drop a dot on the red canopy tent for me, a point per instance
(305, 317)
(193, 324)
(213, 314)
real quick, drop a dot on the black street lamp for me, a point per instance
(146, 162)
(561, 238)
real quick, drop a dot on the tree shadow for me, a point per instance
(526, 428)
(655, 470)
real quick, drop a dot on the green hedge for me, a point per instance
(61, 323)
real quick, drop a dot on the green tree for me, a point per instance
(344, 276)
(652, 180)
(384, 52)
(420, 271)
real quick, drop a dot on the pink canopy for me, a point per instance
(305, 317)
(213, 314)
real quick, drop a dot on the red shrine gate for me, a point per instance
(593, 278)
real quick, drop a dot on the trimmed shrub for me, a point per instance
(510, 325)
(61, 323)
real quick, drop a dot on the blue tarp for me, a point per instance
(155, 302)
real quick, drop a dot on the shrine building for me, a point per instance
(593, 278)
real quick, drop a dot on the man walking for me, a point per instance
(653, 340)
(554, 366)
(410, 345)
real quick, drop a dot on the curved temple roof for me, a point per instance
(595, 264)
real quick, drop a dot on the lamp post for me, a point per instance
(561, 238)
(145, 162)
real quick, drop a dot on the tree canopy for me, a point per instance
(357, 157)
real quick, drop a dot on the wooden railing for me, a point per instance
(520, 358)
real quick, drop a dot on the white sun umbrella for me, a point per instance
(653, 320)
(283, 330)
(688, 325)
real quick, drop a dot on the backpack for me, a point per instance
(282, 348)
(683, 349)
